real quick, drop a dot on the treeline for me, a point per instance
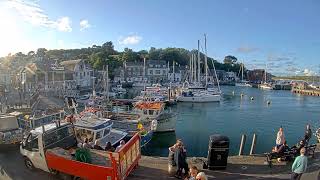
(100, 56)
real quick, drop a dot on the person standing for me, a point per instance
(280, 137)
(299, 165)
(307, 134)
(122, 143)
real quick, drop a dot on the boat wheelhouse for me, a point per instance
(95, 128)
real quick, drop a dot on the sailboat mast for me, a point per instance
(206, 58)
(242, 71)
(174, 77)
(107, 84)
(190, 69)
(194, 68)
(198, 61)
(144, 73)
(265, 74)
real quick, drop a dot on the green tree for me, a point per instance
(230, 59)
(41, 52)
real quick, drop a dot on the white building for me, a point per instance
(82, 73)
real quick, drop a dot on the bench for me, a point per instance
(290, 154)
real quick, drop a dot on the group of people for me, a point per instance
(97, 146)
(178, 158)
(299, 165)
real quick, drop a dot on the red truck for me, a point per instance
(51, 148)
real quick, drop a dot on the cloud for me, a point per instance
(84, 24)
(130, 40)
(272, 57)
(31, 12)
(246, 49)
(308, 72)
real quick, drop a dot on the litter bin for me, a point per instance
(218, 152)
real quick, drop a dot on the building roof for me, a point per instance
(156, 62)
(70, 65)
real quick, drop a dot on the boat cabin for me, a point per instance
(92, 127)
(149, 109)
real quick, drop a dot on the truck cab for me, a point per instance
(35, 144)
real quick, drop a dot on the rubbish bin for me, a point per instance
(218, 152)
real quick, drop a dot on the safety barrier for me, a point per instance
(129, 156)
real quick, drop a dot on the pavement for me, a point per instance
(244, 167)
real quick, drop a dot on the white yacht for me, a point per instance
(242, 83)
(195, 91)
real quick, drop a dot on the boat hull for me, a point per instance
(242, 85)
(167, 124)
(211, 98)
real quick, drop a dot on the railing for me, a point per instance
(129, 156)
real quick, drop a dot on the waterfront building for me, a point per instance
(258, 76)
(157, 71)
(81, 72)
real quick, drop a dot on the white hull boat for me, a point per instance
(200, 98)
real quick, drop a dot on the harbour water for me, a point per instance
(234, 116)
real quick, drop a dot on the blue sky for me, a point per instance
(284, 34)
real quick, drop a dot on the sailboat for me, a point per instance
(242, 83)
(265, 85)
(195, 92)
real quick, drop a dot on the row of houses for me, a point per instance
(73, 76)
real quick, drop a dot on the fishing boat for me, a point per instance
(148, 111)
(92, 126)
(195, 91)
(242, 83)
(131, 124)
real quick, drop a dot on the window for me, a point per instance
(145, 112)
(76, 74)
(106, 131)
(151, 72)
(99, 134)
(32, 143)
(164, 72)
(157, 72)
(151, 112)
(88, 73)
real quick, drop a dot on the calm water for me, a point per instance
(234, 116)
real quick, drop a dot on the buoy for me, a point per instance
(233, 93)
(252, 98)
(268, 102)
(241, 95)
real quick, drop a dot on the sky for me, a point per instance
(284, 35)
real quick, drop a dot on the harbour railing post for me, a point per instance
(253, 145)
(242, 144)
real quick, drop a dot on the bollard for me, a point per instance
(242, 143)
(253, 145)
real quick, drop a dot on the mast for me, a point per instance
(198, 61)
(265, 74)
(194, 67)
(206, 58)
(144, 74)
(190, 69)
(242, 71)
(107, 84)
(174, 78)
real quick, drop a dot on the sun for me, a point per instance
(9, 32)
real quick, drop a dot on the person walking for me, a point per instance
(280, 137)
(299, 165)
